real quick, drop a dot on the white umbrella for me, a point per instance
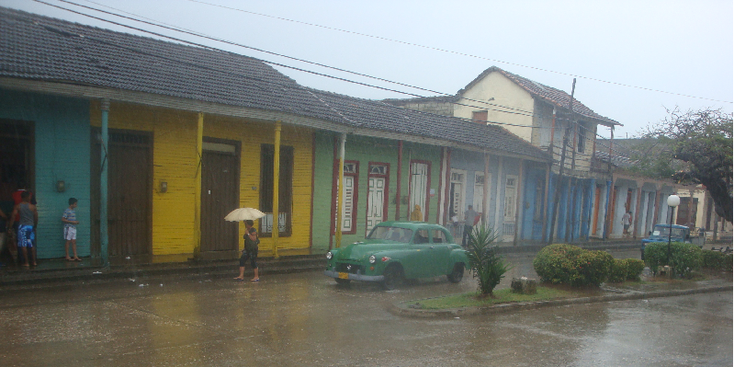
(241, 214)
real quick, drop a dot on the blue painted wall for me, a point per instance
(62, 148)
(534, 185)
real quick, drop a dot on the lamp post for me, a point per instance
(673, 201)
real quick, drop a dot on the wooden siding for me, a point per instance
(175, 162)
(61, 132)
(252, 135)
(365, 150)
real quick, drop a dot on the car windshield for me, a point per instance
(391, 233)
(664, 231)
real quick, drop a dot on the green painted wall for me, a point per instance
(61, 148)
(365, 150)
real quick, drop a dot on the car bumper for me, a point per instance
(351, 276)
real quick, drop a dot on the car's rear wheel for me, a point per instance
(393, 277)
(342, 281)
(457, 274)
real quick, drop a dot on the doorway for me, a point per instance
(220, 188)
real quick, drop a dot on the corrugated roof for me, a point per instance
(48, 49)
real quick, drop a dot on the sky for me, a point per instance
(632, 59)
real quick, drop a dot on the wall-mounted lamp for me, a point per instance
(164, 186)
(60, 186)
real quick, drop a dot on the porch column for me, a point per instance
(636, 220)
(607, 207)
(586, 224)
(340, 193)
(197, 185)
(519, 204)
(104, 172)
(399, 177)
(276, 189)
(656, 205)
(498, 220)
(485, 192)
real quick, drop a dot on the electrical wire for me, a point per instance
(198, 34)
(244, 76)
(458, 53)
(529, 114)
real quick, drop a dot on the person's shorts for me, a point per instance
(26, 237)
(626, 227)
(69, 233)
(251, 255)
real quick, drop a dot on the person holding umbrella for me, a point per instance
(248, 215)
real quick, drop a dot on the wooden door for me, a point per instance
(129, 206)
(219, 195)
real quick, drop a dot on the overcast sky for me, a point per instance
(682, 48)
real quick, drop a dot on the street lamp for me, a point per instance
(673, 201)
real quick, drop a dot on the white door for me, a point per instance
(479, 191)
(457, 192)
(418, 186)
(375, 202)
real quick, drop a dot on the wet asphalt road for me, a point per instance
(304, 319)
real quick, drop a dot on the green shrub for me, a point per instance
(634, 268)
(684, 257)
(484, 259)
(618, 272)
(572, 265)
(716, 260)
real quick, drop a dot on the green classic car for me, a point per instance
(394, 251)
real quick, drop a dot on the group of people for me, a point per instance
(20, 228)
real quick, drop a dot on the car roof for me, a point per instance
(677, 226)
(409, 225)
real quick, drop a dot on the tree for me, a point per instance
(700, 145)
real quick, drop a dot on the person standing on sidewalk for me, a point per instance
(626, 222)
(27, 222)
(250, 252)
(470, 218)
(70, 222)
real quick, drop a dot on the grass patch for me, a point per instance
(500, 296)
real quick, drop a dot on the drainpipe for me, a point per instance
(340, 193)
(104, 172)
(276, 189)
(197, 187)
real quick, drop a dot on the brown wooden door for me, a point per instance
(129, 205)
(219, 196)
(129, 194)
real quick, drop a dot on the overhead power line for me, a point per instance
(501, 108)
(243, 76)
(456, 52)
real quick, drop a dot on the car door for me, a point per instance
(426, 259)
(441, 251)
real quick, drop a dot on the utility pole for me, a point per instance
(559, 182)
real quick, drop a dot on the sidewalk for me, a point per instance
(57, 270)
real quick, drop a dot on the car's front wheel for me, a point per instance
(393, 276)
(457, 274)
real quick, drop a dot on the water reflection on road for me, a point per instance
(304, 319)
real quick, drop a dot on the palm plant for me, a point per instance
(484, 259)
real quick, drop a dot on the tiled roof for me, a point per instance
(383, 116)
(40, 48)
(552, 95)
(48, 49)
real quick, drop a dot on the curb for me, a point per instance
(402, 310)
(96, 273)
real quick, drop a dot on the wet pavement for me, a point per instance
(304, 319)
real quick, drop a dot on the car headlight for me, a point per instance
(373, 259)
(329, 255)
